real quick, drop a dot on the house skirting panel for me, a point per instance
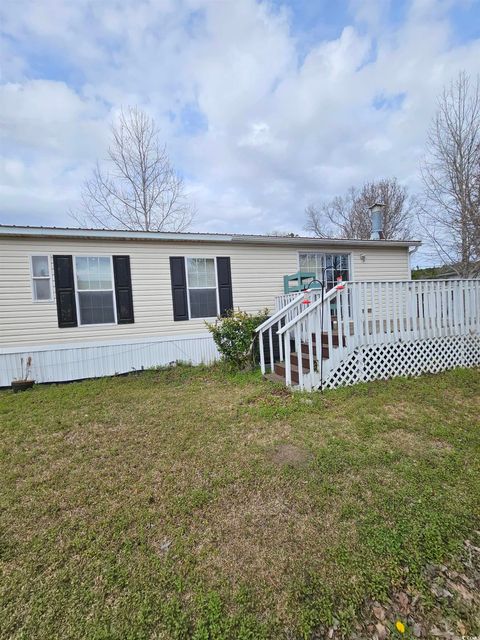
(64, 362)
(405, 358)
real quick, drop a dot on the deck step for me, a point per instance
(325, 339)
(280, 371)
(274, 377)
(305, 360)
(305, 350)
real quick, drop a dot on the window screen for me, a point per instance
(336, 264)
(312, 262)
(41, 281)
(95, 290)
(339, 267)
(202, 287)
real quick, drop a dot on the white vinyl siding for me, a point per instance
(257, 277)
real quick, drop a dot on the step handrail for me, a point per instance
(305, 312)
(294, 306)
(269, 322)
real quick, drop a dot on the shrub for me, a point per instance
(235, 336)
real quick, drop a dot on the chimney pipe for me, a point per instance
(377, 221)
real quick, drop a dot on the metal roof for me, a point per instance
(170, 236)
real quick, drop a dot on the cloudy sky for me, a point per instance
(265, 106)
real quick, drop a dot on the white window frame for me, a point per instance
(49, 277)
(77, 291)
(217, 297)
(330, 253)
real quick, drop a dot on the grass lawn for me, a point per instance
(191, 503)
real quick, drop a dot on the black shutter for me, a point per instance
(123, 289)
(224, 278)
(65, 291)
(179, 288)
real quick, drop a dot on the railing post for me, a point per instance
(356, 313)
(327, 326)
(311, 327)
(288, 363)
(453, 311)
(262, 354)
(270, 344)
(388, 314)
(445, 310)
(436, 297)
(280, 341)
(366, 328)
(477, 304)
(427, 311)
(420, 310)
(397, 314)
(298, 349)
(374, 313)
(461, 302)
(346, 318)
(339, 324)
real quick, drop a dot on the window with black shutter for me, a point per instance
(179, 288)
(201, 287)
(224, 279)
(123, 289)
(65, 291)
(93, 290)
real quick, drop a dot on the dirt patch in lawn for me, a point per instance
(290, 454)
(399, 410)
(413, 443)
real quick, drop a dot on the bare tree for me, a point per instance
(139, 189)
(348, 216)
(451, 177)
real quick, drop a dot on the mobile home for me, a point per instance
(88, 302)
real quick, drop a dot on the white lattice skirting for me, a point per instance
(383, 361)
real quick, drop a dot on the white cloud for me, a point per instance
(49, 116)
(268, 130)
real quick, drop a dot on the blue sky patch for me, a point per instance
(193, 121)
(388, 102)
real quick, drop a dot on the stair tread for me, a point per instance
(274, 377)
(293, 367)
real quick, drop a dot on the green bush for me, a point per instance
(235, 336)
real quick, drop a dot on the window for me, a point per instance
(338, 266)
(95, 298)
(41, 281)
(336, 263)
(202, 287)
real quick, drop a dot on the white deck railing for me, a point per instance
(289, 307)
(367, 313)
(284, 299)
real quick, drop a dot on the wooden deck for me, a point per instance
(368, 329)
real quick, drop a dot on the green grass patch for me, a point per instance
(197, 503)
